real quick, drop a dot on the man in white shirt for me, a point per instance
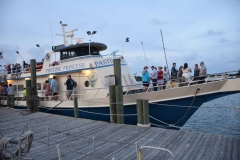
(54, 88)
(203, 72)
(154, 75)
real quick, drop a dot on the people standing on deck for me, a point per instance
(180, 72)
(203, 72)
(154, 75)
(54, 88)
(69, 83)
(160, 78)
(10, 90)
(174, 71)
(145, 78)
(46, 88)
(186, 72)
(13, 69)
(196, 73)
(165, 76)
(18, 70)
(4, 91)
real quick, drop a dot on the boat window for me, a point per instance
(20, 87)
(14, 87)
(71, 54)
(86, 83)
(64, 55)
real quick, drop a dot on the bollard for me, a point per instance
(12, 101)
(146, 113)
(19, 147)
(112, 101)
(139, 103)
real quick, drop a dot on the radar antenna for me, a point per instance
(64, 34)
(71, 34)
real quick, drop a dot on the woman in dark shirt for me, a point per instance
(196, 73)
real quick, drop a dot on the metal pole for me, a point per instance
(89, 43)
(48, 143)
(136, 144)
(144, 54)
(93, 148)
(75, 102)
(19, 146)
(165, 54)
(59, 153)
(122, 48)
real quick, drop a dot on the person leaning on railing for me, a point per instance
(145, 78)
(203, 72)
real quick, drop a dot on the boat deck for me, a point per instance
(75, 137)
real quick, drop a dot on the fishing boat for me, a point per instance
(93, 74)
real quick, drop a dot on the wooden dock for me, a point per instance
(112, 141)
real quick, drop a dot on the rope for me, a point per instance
(108, 114)
(188, 108)
(171, 125)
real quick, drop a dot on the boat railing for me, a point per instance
(135, 88)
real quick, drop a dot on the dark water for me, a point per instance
(217, 120)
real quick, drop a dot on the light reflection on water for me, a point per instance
(217, 120)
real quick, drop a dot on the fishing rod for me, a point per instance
(165, 53)
(144, 54)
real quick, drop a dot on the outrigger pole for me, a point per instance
(165, 53)
(144, 53)
(3, 58)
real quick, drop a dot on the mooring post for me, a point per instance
(118, 90)
(139, 103)
(48, 143)
(12, 101)
(146, 113)
(112, 102)
(75, 102)
(34, 84)
(8, 101)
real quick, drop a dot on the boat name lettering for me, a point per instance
(65, 68)
(106, 62)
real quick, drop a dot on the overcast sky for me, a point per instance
(193, 31)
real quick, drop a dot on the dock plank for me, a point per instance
(74, 135)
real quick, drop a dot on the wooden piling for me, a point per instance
(145, 112)
(75, 102)
(139, 103)
(119, 104)
(34, 98)
(118, 90)
(8, 101)
(12, 101)
(117, 71)
(112, 102)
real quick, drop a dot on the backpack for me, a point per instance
(74, 84)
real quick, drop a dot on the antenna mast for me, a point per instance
(64, 34)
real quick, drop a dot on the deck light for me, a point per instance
(20, 55)
(127, 40)
(90, 33)
(40, 49)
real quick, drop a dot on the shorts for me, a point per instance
(161, 81)
(54, 93)
(146, 84)
(68, 93)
